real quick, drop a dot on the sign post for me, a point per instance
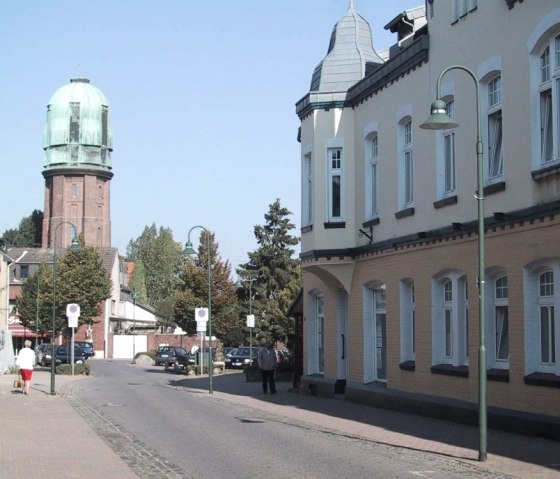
(251, 325)
(73, 313)
(201, 318)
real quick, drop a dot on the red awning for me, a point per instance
(19, 330)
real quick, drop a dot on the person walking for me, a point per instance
(25, 361)
(266, 358)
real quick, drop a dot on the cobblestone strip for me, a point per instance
(142, 459)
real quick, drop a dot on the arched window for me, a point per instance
(450, 323)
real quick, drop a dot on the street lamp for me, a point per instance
(75, 246)
(133, 296)
(250, 281)
(439, 120)
(190, 251)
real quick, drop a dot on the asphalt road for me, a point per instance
(164, 428)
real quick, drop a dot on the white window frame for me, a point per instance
(380, 309)
(369, 323)
(335, 169)
(372, 176)
(494, 140)
(545, 94)
(320, 305)
(307, 193)
(446, 157)
(315, 333)
(449, 171)
(408, 320)
(500, 323)
(450, 319)
(406, 170)
(537, 300)
(460, 8)
(547, 312)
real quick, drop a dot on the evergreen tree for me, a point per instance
(193, 289)
(27, 234)
(276, 274)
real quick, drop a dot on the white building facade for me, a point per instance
(389, 214)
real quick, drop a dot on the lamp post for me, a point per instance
(190, 251)
(250, 281)
(75, 246)
(133, 296)
(439, 120)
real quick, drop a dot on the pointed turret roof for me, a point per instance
(350, 55)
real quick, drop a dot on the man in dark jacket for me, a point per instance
(267, 364)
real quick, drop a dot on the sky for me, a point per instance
(202, 96)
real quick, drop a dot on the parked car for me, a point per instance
(64, 354)
(87, 348)
(228, 351)
(241, 357)
(282, 357)
(194, 358)
(168, 355)
(44, 354)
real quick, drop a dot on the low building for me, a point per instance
(121, 315)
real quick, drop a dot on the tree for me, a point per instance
(162, 260)
(35, 303)
(27, 234)
(138, 282)
(80, 278)
(276, 274)
(192, 291)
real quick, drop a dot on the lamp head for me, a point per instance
(439, 119)
(189, 250)
(75, 246)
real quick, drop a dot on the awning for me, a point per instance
(19, 331)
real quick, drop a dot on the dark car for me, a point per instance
(44, 354)
(196, 357)
(87, 347)
(168, 355)
(64, 354)
(241, 357)
(228, 351)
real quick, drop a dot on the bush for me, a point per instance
(196, 369)
(78, 369)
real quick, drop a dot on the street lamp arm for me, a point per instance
(190, 231)
(477, 92)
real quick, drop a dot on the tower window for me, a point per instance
(104, 125)
(75, 122)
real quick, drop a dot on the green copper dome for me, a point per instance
(78, 130)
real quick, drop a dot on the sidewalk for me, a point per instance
(38, 435)
(508, 454)
(47, 421)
